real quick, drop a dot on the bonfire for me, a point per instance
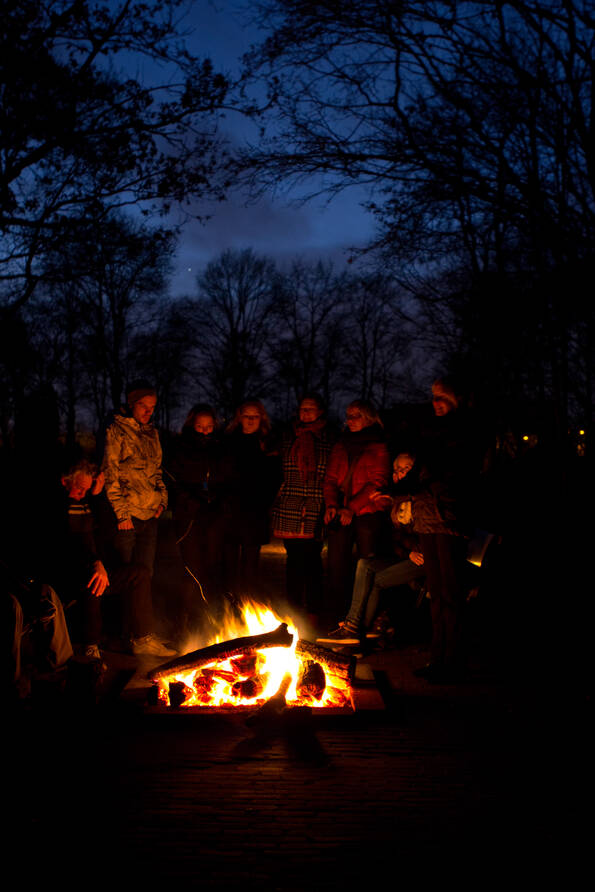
(252, 661)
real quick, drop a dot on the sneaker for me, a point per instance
(92, 652)
(342, 635)
(380, 627)
(153, 646)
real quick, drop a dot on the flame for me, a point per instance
(211, 685)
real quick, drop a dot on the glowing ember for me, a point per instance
(251, 678)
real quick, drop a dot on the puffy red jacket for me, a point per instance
(371, 471)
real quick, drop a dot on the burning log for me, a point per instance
(338, 668)
(312, 680)
(218, 674)
(202, 686)
(178, 692)
(248, 664)
(274, 706)
(280, 637)
(250, 688)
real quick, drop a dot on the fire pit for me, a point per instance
(247, 671)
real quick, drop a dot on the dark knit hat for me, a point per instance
(138, 390)
(443, 389)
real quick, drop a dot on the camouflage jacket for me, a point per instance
(132, 468)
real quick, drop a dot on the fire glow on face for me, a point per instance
(252, 677)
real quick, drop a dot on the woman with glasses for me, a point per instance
(255, 480)
(358, 470)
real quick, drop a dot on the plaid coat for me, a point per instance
(299, 507)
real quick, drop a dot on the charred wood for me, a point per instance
(250, 688)
(274, 706)
(280, 637)
(178, 692)
(311, 681)
(248, 664)
(217, 674)
(339, 667)
(202, 686)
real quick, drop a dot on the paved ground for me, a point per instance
(444, 778)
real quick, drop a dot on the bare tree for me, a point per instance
(471, 125)
(99, 294)
(162, 352)
(308, 341)
(232, 317)
(79, 136)
(380, 339)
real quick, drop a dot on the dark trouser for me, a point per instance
(303, 573)
(241, 568)
(132, 582)
(138, 546)
(444, 562)
(365, 531)
(201, 548)
(91, 616)
(85, 620)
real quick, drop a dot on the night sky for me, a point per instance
(275, 226)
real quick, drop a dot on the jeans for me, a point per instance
(365, 530)
(138, 546)
(372, 576)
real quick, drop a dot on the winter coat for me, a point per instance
(254, 485)
(201, 473)
(132, 468)
(366, 452)
(299, 507)
(449, 461)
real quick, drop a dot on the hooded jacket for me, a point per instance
(132, 468)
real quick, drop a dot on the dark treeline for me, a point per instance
(101, 318)
(471, 125)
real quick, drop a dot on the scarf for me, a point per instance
(303, 450)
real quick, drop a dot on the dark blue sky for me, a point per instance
(274, 226)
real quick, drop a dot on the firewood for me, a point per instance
(202, 686)
(250, 688)
(280, 637)
(336, 665)
(215, 672)
(178, 692)
(339, 696)
(248, 664)
(311, 681)
(274, 706)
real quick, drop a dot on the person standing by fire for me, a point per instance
(440, 507)
(133, 482)
(255, 482)
(201, 473)
(299, 507)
